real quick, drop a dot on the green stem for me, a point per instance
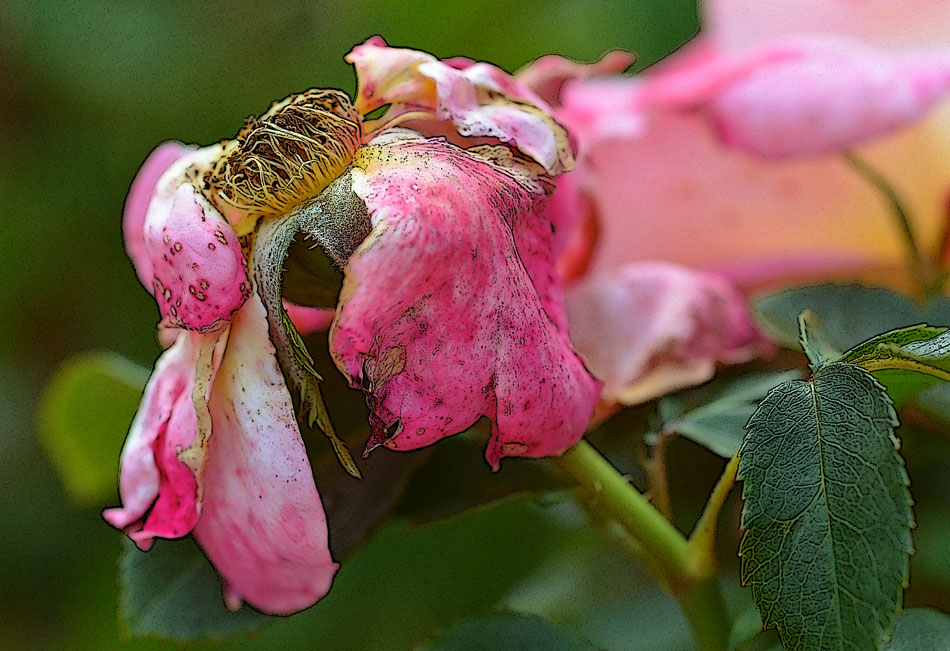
(658, 482)
(918, 265)
(692, 580)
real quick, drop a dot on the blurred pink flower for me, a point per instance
(728, 157)
(450, 309)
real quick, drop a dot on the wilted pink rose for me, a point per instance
(450, 310)
(728, 157)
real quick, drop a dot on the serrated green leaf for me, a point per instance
(172, 592)
(715, 415)
(84, 415)
(827, 513)
(850, 314)
(919, 629)
(506, 631)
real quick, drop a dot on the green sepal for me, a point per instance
(272, 240)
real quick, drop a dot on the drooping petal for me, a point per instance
(478, 99)
(141, 193)
(651, 328)
(450, 310)
(388, 75)
(199, 271)
(159, 483)
(262, 523)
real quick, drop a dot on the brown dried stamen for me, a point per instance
(288, 155)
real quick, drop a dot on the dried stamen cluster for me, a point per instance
(288, 155)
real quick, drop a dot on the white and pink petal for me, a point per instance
(262, 523)
(142, 192)
(163, 457)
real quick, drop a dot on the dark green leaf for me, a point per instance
(172, 592)
(355, 508)
(827, 512)
(715, 415)
(920, 629)
(506, 631)
(850, 314)
(84, 416)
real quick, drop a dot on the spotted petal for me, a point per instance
(141, 193)
(449, 310)
(199, 272)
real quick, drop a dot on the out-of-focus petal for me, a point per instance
(308, 320)
(602, 109)
(450, 310)
(199, 271)
(651, 328)
(742, 24)
(141, 191)
(158, 484)
(834, 95)
(262, 523)
(478, 99)
(545, 76)
(678, 194)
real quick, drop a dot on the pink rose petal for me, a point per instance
(743, 24)
(651, 328)
(450, 310)
(308, 320)
(546, 76)
(199, 271)
(478, 99)
(836, 94)
(160, 492)
(676, 193)
(141, 193)
(262, 524)
(388, 75)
